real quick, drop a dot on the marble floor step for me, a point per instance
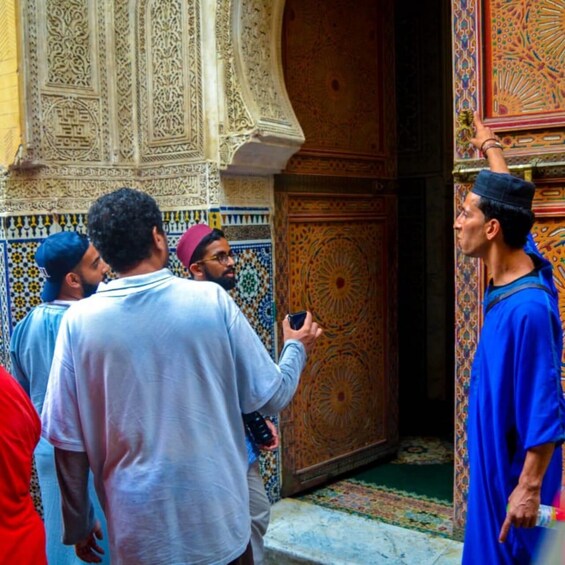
(303, 533)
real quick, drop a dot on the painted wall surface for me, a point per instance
(506, 65)
(10, 135)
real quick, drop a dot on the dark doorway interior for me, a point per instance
(425, 189)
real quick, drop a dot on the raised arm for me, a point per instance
(489, 145)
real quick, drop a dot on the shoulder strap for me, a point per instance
(514, 290)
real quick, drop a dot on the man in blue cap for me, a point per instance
(72, 268)
(516, 420)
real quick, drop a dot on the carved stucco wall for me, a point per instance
(150, 94)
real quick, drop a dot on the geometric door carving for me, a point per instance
(338, 251)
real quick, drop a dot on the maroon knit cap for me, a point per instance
(189, 241)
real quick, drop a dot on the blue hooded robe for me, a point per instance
(515, 403)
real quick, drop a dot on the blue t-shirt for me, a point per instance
(31, 351)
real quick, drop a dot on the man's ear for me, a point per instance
(196, 271)
(492, 228)
(72, 280)
(159, 239)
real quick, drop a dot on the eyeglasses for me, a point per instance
(222, 258)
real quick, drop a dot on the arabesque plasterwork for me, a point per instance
(67, 23)
(73, 188)
(124, 76)
(248, 191)
(170, 81)
(116, 97)
(257, 112)
(95, 120)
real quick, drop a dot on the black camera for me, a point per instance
(296, 320)
(257, 428)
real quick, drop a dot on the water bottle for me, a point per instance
(548, 516)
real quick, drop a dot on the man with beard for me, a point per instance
(72, 268)
(149, 380)
(207, 255)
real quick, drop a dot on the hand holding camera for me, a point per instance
(296, 320)
(299, 325)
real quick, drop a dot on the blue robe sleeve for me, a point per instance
(538, 396)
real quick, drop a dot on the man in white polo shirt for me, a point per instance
(149, 380)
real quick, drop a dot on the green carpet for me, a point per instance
(414, 490)
(432, 481)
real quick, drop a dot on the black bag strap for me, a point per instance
(514, 290)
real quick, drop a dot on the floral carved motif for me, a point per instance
(257, 54)
(68, 43)
(238, 118)
(124, 80)
(167, 73)
(258, 117)
(170, 75)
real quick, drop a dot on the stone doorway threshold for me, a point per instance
(304, 533)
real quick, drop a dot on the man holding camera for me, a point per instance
(207, 255)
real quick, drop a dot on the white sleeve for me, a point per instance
(260, 380)
(60, 420)
(291, 363)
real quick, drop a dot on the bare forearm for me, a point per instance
(486, 141)
(496, 160)
(535, 465)
(524, 501)
(78, 513)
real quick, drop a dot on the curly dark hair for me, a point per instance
(516, 223)
(120, 226)
(200, 249)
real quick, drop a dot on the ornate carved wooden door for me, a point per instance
(508, 65)
(339, 250)
(335, 236)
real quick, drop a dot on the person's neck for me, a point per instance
(505, 265)
(150, 265)
(69, 296)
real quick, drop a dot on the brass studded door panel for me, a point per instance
(335, 257)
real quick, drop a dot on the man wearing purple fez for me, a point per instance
(207, 255)
(516, 421)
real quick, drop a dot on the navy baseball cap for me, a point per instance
(504, 188)
(58, 255)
